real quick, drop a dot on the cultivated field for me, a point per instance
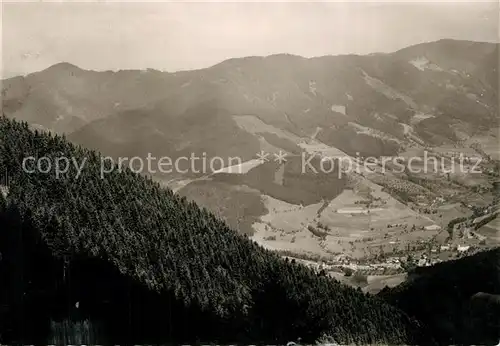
(360, 222)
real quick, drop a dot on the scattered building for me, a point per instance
(463, 248)
(352, 211)
(4, 190)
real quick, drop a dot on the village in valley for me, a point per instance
(458, 218)
(463, 236)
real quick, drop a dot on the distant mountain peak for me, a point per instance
(64, 66)
(283, 55)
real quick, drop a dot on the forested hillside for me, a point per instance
(121, 260)
(458, 299)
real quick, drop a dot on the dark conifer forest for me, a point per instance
(121, 260)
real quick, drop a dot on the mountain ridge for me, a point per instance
(443, 40)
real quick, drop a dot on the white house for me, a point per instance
(352, 211)
(4, 190)
(463, 248)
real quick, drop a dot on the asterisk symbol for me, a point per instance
(262, 156)
(280, 157)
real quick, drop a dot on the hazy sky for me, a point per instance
(178, 35)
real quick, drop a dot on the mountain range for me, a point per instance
(432, 95)
(374, 104)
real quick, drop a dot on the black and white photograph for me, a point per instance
(249, 173)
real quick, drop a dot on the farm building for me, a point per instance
(352, 211)
(463, 248)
